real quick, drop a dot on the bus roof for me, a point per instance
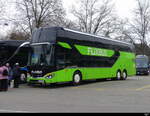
(50, 33)
(93, 37)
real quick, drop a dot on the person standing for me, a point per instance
(16, 75)
(3, 78)
(9, 73)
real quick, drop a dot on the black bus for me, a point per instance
(9, 53)
(142, 65)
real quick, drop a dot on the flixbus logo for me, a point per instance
(96, 52)
(91, 51)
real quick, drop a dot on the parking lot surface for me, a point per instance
(131, 95)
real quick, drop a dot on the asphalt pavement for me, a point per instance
(129, 96)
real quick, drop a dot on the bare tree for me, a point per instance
(1, 6)
(93, 15)
(3, 21)
(38, 13)
(141, 23)
(14, 35)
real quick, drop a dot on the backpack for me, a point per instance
(5, 72)
(16, 72)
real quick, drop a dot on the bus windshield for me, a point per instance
(4, 55)
(41, 54)
(141, 63)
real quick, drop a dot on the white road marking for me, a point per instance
(13, 111)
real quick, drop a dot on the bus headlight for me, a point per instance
(49, 76)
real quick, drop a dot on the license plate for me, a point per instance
(40, 81)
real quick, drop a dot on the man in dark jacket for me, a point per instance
(16, 75)
(3, 78)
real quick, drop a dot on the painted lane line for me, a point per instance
(142, 88)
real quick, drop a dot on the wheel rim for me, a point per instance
(124, 75)
(77, 78)
(23, 76)
(118, 76)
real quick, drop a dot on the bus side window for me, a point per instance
(63, 57)
(60, 58)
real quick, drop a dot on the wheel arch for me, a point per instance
(79, 72)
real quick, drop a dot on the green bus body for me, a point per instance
(92, 56)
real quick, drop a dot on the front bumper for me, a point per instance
(32, 80)
(142, 72)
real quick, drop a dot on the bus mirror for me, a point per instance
(61, 63)
(148, 65)
(24, 44)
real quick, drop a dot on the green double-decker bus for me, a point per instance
(62, 55)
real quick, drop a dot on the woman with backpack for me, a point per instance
(3, 78)
(16, 75)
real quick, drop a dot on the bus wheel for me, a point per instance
(23, 77)
(77, 78)
(118, 75)
(124, 75)
(44, 85)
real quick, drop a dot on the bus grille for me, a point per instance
(37, 75)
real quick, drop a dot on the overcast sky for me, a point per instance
(123, 8)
